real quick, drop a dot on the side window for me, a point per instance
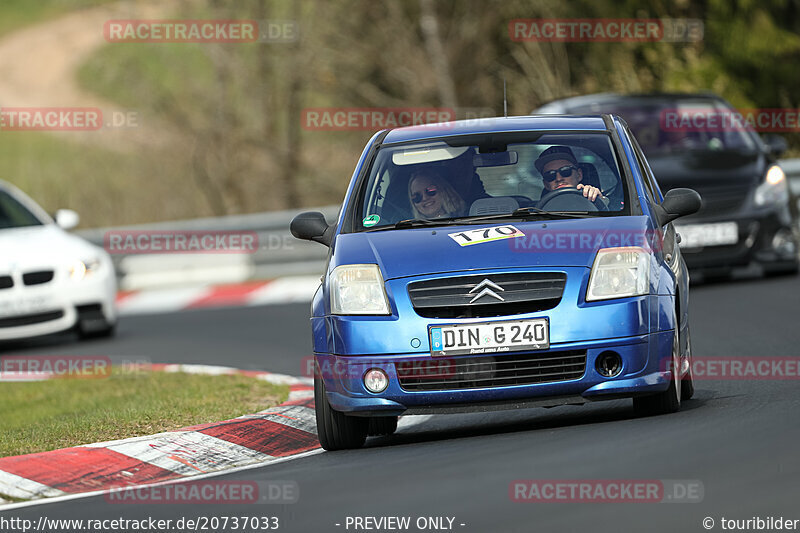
(649, 179)
(648, 185)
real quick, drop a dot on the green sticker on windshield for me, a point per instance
(370, 221)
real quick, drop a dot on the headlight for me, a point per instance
(619, 272)
(80, 269)
(358, 290)
(774, 189)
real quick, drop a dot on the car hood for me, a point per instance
(553, 243)
(42, 246)
(706, 168)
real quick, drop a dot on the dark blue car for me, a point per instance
(494, 264)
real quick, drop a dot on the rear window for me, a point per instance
(646, 119)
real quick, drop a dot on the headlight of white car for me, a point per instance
(80, 269)
(358, 290)
(774, 190)
(619, 272)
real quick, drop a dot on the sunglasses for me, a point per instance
(417, 196)
(565, 171)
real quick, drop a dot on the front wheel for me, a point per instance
(336, 430)
(687, 383)
(668, 401)
(380, 426)
(97, 329)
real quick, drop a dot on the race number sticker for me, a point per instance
(481, 235)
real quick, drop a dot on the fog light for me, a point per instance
(783, 243)
(375, 380)
(609, 364)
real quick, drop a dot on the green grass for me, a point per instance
(15, 14)
(106, 187)
(47, 415)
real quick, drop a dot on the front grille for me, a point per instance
(6, 282)
(722, 200)
(492, 371)
(37, 278)
(521, 292)
(27, 320)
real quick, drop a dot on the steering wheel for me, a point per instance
(566, 199)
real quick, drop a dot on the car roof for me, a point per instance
(497, 125)
(607, 98)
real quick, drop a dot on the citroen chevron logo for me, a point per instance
(487, 287)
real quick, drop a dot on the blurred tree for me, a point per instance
(241, 104)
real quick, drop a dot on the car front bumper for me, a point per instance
(644, 371)
(56, 306)
(763, 239)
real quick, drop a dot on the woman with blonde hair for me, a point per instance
(432, 196)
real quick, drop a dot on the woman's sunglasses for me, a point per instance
(565, 171)
(417, 196)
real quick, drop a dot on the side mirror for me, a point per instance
(776, 144)
(677, 203)
(311, 226)
(67, 218)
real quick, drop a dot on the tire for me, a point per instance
(336, 430)
(380, 426)
(107, 331)
(668, 401)
(687, 383)
(791, 269)
(717, 276)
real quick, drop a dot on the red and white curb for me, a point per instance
(291, 289)
(284, 431)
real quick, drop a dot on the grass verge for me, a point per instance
(47, 415)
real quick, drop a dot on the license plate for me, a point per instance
(24, 306)
(490, 337)
(701, 235)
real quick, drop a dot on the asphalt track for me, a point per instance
(738, 438)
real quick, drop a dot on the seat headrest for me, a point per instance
(495, 205)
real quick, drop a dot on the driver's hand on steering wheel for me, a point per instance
(590, 192)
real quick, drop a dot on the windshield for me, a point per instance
(13, 214)
(491, 175)
(661, 127)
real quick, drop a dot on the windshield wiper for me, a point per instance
(414, 222)
(411, 222)
(526, 212)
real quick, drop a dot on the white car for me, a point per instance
(50, 280)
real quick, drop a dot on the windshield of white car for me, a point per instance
(15, 215)
(479, 177)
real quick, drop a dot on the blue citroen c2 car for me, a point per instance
(494, 264)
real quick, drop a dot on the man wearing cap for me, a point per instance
(559, 169)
